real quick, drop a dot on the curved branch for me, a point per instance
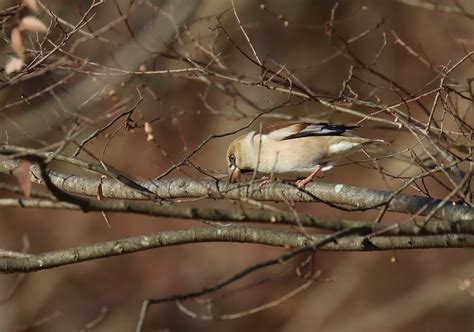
(227, 234)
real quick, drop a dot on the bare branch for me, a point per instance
(227, 234)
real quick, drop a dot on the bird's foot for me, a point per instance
(309, 178)
(303, 182)
(266, 182)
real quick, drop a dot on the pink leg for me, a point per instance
(264, 183)
(309, 178)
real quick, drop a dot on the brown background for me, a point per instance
(367, 291)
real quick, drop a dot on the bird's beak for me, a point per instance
(234, 173)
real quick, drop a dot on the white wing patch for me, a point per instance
(342, 147)
(327, 168)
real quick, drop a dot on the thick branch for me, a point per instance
(226, 234)
(360, 198)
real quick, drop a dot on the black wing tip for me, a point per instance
(331, 129)
(337, 125)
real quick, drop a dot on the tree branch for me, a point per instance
(227, 234)
(357, 197)
(249, 215)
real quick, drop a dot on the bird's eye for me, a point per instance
(232, 159)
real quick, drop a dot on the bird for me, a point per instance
(291, 147)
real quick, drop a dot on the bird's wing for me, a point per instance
(289, 130)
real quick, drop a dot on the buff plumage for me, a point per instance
(293, 148)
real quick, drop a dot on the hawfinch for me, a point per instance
(293, 148)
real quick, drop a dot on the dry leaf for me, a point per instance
(30, 23)
(13, 65)
(149, 131)
(17, 43)
(22, 174)
(31, 5)
(100, 196)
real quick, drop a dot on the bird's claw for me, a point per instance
(264, 183)
(302, 183)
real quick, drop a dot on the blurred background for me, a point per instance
(381, 291)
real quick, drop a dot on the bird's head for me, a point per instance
(239, 158)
